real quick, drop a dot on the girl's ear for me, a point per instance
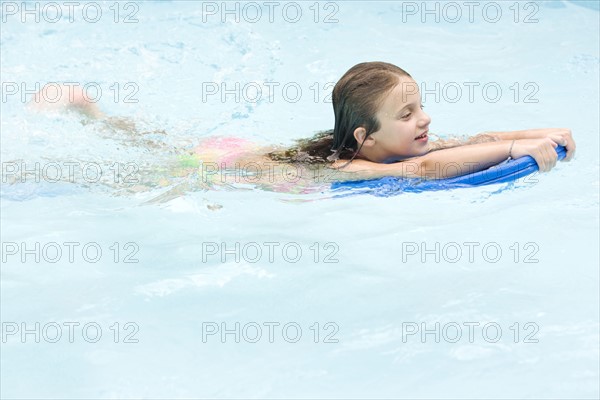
(360, 134)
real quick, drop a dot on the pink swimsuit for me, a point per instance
(228, 149)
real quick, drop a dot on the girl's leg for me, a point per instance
(56, 97)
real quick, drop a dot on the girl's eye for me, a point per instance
(406, 115)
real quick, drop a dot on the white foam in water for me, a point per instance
(333, 298)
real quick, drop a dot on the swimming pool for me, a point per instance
(241, 293)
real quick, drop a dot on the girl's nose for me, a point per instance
(425, 119)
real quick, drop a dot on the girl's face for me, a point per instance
(403, 124)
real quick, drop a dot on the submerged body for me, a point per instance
(234, 162)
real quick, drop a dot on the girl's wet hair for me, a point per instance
(356, 98)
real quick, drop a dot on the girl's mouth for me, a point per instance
(422, 137)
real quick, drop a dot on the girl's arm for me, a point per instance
(457, 161)
(562, 136)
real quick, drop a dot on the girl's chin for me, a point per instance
(421, 148)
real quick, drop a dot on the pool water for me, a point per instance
(235, 292)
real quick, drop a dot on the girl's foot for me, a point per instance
(59, 97)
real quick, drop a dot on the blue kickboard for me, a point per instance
(507, 171)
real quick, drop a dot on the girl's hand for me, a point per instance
(542, 151)
(561, 136)
(564, 138)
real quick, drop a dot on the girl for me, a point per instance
(380, 130)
